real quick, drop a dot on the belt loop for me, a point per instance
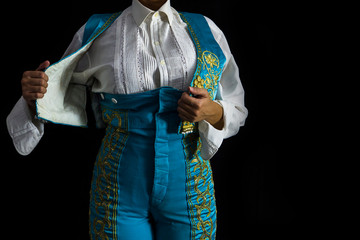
(96, 109)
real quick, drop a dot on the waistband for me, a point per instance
(152, 109)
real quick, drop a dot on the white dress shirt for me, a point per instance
(141, 51)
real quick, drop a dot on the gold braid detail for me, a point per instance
(200, 190)
(106, 187)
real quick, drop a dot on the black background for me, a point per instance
(264, 175)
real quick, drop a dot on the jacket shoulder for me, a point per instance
(98, 23)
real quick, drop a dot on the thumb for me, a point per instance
(43, 66)
(198, 92)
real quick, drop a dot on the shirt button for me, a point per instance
(156, 15)
(114, 100)
(157, 43)
(162, 62)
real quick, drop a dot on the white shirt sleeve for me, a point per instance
(230, 96)
(24, 129)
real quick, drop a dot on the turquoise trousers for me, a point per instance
(149, 181)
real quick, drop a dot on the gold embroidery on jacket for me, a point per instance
(106, 24)
(209, 62)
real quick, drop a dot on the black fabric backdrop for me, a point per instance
(262, 175)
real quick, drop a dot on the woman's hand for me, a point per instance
(34, 84)
(200, 107)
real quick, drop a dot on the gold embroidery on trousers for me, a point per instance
(200, 191)
(105, 193)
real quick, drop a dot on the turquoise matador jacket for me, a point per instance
(148, 157)
(61, 103)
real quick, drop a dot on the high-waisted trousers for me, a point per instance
(149, 181)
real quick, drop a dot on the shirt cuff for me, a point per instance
(211, 137)
(24, 130)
